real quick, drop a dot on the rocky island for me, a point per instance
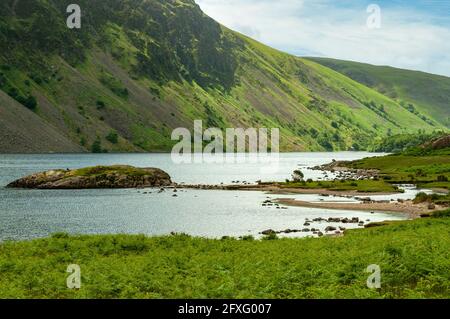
(116, 176)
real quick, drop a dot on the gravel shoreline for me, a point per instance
(413, 210)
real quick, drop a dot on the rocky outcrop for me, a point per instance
(344, 172)
(439, 143)
(117, 176)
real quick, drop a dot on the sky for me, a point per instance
(412, 34)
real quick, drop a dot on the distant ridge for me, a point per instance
(426, 93)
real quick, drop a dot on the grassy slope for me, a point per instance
(402, 142)
(413, 257)
(428, 93)
(315, 108)
(428, 170)
(362, 186)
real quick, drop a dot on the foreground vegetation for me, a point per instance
(413, 257)
(362, 186)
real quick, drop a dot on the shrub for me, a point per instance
(297, 176)
(36, 79)
(30, 102)
(112, 137)
(421, 198)
(60, 235)
(100, 105)
(97, 146)
(155, 92)
(313, 132)
(325, 144)
(441, 214)
(2, 80)
(114, 85)
(271, 236)
(13, 92)
(433, 198)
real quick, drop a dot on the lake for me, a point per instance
(27, 214)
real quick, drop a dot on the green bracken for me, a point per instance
(105, 170)
(422, 170)
(363, 186)
(413, 257)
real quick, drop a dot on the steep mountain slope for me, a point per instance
(421, 92)
(22, 131)
(137, 69)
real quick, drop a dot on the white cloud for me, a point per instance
(406, 39)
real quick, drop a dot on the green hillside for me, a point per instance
(419, 92)
(137, 69)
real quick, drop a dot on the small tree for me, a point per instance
(297, 176)
(113, 137)
(30, 102)
(100, 105)
(97, 146)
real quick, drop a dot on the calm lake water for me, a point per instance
(27, 214)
